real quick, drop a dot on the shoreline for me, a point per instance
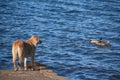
(41, 73)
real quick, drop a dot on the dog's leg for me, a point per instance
(14, 62)
(25, 64)
(20, 63)
(14, 54)
(32, 61)
(20, 58)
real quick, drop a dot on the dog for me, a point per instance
(24, 50)
(99, 42)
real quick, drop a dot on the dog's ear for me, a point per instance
(33, 37)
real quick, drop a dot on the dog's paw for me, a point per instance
(25, 69)
(15, 69)
(32, 69)
(19, 69)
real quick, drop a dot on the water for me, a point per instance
(65, 27)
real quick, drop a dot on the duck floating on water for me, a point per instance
(99, 42)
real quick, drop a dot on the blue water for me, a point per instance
(65, 27)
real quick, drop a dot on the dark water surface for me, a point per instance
(65, 27)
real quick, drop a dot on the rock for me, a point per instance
(41, 73)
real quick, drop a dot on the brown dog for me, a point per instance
(24, 50)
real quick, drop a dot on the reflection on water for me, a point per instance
(65, 28)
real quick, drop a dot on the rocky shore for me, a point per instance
(40, 73)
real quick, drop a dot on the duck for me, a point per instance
(99, 42)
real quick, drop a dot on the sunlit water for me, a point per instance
(65, 27)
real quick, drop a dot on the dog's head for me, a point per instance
(35, 40)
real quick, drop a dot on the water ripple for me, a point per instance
(65, 28)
